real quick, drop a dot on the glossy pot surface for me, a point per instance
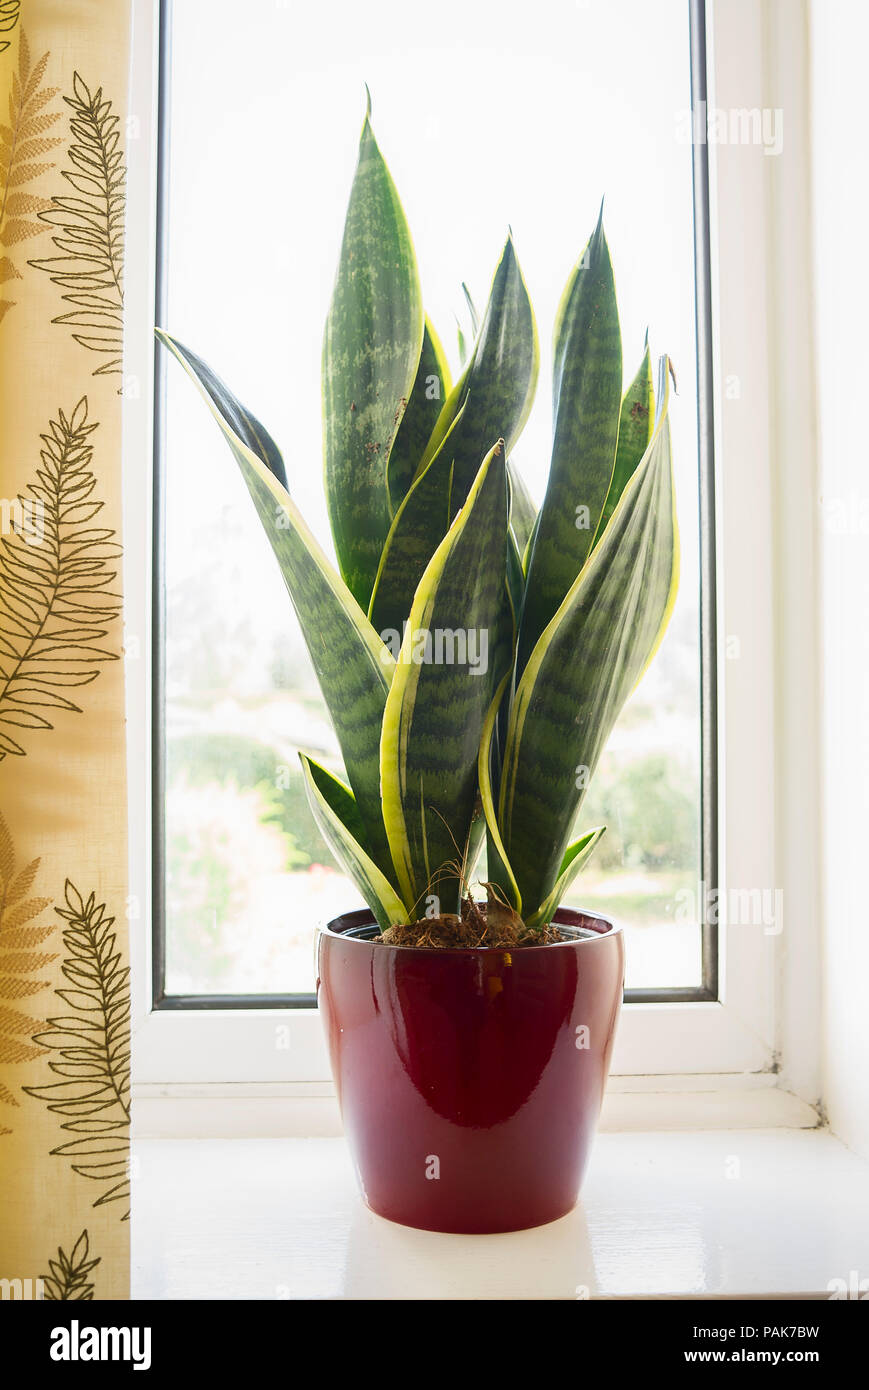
(470, 1081)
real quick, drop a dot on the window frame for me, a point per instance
(730, 1029)
(706, 990)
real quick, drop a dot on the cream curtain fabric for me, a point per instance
(64, 990)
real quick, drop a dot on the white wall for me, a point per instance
(840, 41)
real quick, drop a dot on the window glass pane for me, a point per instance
(490, 115)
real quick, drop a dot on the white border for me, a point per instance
(737, 1036)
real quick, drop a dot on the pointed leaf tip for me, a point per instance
(371, 350)
(598, 236)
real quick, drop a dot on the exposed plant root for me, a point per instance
(493, 923)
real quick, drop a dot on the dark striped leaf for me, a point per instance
(334, 808)
(587, 391)
(420, 525)
(475, 324)
(508, 629)
(489, 775)
(430, 391)
(636, 420)
(507, 344)
(515, 592)
(575, 858)
(523, 512)
(371, 350)
(435, 708)
(497, 386)
(472, 310)
(585, 665)
(526, 554)
(353, 666)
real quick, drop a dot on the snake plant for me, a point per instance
(474, 655)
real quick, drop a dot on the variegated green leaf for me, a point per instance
(523, 512)
(353, 666)
(371, 350)
(430, 390)
(461, 344)
(437, 703)
(585, 665)
(587, 391)
(460, 332)
(489, 774)
(334, 808)
(508, 628)
(424, 514)
(575, 857)
(497, 386)
(636, 419)
(526, 553)
(420, 525)
(515, 588)
(506, 344)
(472, 310)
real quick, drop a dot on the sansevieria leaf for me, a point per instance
(353, 666)
(515, 590)
(489, 773)
(523, 512)
(575, 858)
(475, 323)
(472, 310)
(334, 808)
(430, 390)
(586, 663)
(473, 650)
(497, 386)
(636, 419)
(441, 692)
(508, 629)
(587, 391)
(371, 352)
(417, 529)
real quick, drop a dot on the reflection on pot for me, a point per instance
(470, 1080)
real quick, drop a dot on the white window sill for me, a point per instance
(308, 1109)
(718, 1213)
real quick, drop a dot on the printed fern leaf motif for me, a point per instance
(9, 11)
(20, 960)
(91, 1047)
(90, 235)
(24, 142)
(55, 601)
(68, 1281)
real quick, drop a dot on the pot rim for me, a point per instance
(363, 916)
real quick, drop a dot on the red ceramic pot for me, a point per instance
(470, 1081)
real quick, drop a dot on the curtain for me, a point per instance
(64, 913)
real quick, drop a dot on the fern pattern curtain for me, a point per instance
(64, 990)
